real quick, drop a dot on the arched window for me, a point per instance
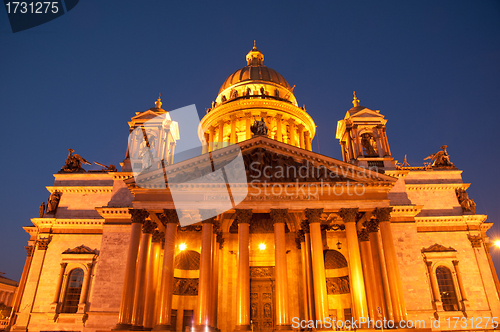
(446, 289)
(73, 291)
(187, 260)
(334, 259)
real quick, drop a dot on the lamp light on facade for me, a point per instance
(182, 246)
(262, 246)
(497, 243)
(339, 245)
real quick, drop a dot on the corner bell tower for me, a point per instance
(363, 138)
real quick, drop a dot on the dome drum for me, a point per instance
(252, 93)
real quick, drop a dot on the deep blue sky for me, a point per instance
(431, 67)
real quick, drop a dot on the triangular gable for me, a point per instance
(269, 153)
(366, 112)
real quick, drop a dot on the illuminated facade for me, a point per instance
(362, 237)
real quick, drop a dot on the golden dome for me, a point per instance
(255, 71)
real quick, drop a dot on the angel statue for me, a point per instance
(73, 163)
(441, 158)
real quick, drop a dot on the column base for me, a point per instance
(163, 328)
(203, 328)
(122, 327)
(283, 328)
(239, 328)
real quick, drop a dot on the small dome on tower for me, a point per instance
(255, 57)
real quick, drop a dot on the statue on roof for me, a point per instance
(259, 127)
(53, 202)
(73, 163)
(41, 210)
(441, 158)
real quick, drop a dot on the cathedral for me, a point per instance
(257, 232)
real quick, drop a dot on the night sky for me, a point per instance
(431, 67)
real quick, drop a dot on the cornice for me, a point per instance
(66, 222)
(472, 219)
(81, 189)
(405, 210)
(435, 187)
(114, 212)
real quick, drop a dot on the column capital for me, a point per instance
(371, 225)
(278, 116)
(313, 215)
(148, 227)
(348, 214)
(138, 215)
(383, 214)
(279, 215)
(29, 250)
(207, 216)
(243, 216)
(169, 216)
(63, 265)
(363, 235)
(43, 244)
(158, 236)
(429, 264)
(304, 227)
(300, 238)
(455, 263)
(475, 240)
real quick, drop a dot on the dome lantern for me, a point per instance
(255, 57)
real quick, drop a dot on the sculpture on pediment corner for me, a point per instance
(467, 204)
(83, 249)
(441, 158)
(53, 202)
(259, 127)
(41, 210)
(73, 163)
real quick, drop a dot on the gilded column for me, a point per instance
(355, 266)
(291, 135)
(300, 241)
(215, 275)
(125, 314)
(309, 272)
(279, 133)
(278, 217)
(243, 218)
(164, 319)
(460, 284)
(152, 278)
(85, 288)
(220, 143)
(207, 140)
(372, 229)
(434, 285)
(22, 284)
(248, 124)
(233, 129)
(318, 264)
(211, 136)
(140, 277)
(308, 141)
(202, 312)
(300, 129)
(57, 293)
(396, 287)
(368, 272)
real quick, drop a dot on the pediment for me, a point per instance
(146, 115)
(80, 250)
(436, 247)
(265, 160)
(366, 113)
